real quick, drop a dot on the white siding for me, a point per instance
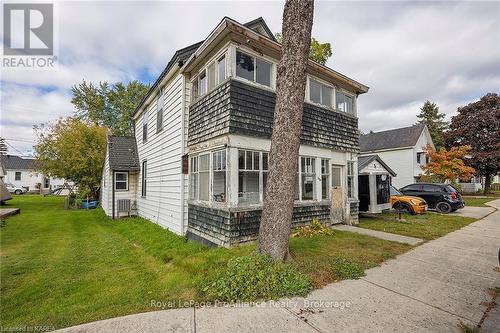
(106, 187)
(163, 152)
(401, 162)
(374, 167)
(122, 194)
(29, 178)
(422, 142)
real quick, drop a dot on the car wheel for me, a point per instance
(404, 207)
(444, 207)
(18, 192)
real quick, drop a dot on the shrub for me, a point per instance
(254, 277)
(347, 269)
(315, 228)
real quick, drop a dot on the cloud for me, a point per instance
(407, 52)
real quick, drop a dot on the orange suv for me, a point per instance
(409, 204)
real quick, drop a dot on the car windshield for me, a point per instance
(450, 189)
(394, 191)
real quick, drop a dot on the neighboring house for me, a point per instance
(22, 171)
(203, 138)
(374, 180)
(402, 149)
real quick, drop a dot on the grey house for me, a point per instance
(203, 137)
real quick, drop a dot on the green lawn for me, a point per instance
(426, 226)
(65, 267)
(477, 202)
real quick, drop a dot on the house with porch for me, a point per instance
(402, 149)
(202, 138)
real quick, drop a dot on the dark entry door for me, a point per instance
(363, 192)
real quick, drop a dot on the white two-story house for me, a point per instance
(402, 149)
(202, 139)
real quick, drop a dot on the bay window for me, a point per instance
(193, 178)
(308, 177)
(219, 175)
(265, 166)
(209, 77)
(325, 179)
(221, 67)
(253, 68)
(204, 177)
(320, 93)
(248, 176)
(344, 102)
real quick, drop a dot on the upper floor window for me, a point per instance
(253, 68)
(320, 93)
(145, 126)
(344, 102)
(210, 77)
(159, 111)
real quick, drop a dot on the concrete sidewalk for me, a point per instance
(432, 288)
(380, 234)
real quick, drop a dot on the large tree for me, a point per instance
(447, 165)
(319, 52)
(285, 141)
(3, 147)
(108, 105)
(478, 125)
(74, 150)
(430, 116)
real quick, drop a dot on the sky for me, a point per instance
(406, 52)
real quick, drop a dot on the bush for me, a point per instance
(316, 228)
(347, 269)
(255, 277)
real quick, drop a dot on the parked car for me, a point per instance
(15, 189)
(412, 205)
(442, 197)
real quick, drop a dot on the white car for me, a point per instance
(15, 189)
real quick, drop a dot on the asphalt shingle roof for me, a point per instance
(363, 161)
(395, 138)
(12, 162)
(123, 154)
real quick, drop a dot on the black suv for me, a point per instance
(442, 197)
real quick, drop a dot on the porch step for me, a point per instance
(6, 212)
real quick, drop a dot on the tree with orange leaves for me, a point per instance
(447, 165)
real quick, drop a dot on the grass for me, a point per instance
(477, 202)
(425, 226)
(66, 267)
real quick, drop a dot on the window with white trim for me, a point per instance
(325, 178)
(210, 77)
(145, 126)
(248, 177)
(159, 111)
(204, 177)
(254, 69)
(219, 176)
(307, 178)
(193, 178)
(320, 93)
(17, 175)
(121, 181)
(144, 178)
(344, 102)
(350, 181)
(265, 170)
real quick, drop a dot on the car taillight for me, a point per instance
(454, 195)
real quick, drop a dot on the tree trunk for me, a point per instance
(487, 183)
(285, 141)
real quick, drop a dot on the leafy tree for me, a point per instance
(3, 147)
(478, 125)
(109, 106)
(319, 52)
(430, 116)
(447, 165)
(72, 149)
(285, 141)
